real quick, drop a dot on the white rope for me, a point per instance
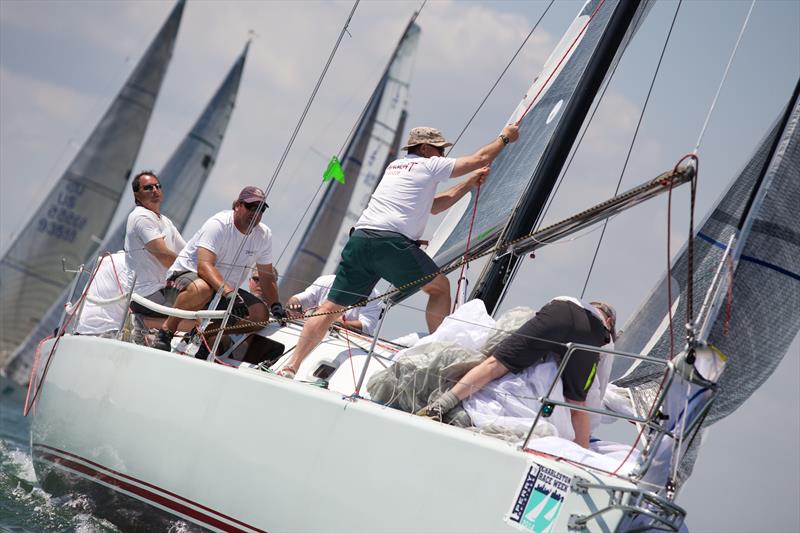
(724, 76)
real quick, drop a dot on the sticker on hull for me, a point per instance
(538, 501)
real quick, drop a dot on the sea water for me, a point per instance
(24, 506)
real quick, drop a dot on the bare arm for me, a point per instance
(446, 199)
(474, 380)
(484, 156)
(581, 424)
(158, 249)
(269, 285)
(207, 271)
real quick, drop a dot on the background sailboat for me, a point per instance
(183, 178)
(373, 144)
(80, 206)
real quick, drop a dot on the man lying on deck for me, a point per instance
(210, 263)
(385, 241)
(361, 319)
(560, 321)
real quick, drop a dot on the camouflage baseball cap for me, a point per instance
(424, 135)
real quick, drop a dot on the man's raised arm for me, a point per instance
(484, 156)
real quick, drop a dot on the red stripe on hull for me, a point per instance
(141, 492)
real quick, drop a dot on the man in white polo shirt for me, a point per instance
(212, 261)
(385, 243)
(152, 243)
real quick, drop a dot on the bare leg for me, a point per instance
(314, 331)
(474, 380)
(438, 307)
(581, 424)
(192, 298)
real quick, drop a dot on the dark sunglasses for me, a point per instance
(254, 278)
(152, 186)
(254, 206)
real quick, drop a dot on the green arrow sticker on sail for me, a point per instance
(334, 171)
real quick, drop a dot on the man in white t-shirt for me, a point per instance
(362, 319)
(385, 240)
(152, 243)
(212, 261)
(108, 282)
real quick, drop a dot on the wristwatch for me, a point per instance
(505, 139)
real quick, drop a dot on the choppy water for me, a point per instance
(24, 507)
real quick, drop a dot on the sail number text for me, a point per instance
(60, 221)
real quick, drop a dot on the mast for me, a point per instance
(182, 178)
(374, 142)
(80, 206)
(499, 271)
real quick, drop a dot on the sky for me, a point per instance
(62, 62)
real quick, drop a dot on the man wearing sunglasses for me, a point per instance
(385, 241)
(152, 243)
(228, 245)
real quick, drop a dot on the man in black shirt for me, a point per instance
(560, 321)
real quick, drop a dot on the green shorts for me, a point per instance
(370, 255)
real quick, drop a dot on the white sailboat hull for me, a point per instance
(242, 450)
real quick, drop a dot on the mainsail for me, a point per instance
(80, 206)
(756, 326)
(549, 118)
(374, 143)
(182, 178)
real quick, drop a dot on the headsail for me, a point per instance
(183, 178)
(756, 328)
(80, 206)
(373, 145)
(551, 114)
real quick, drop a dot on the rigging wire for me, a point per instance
(346, 141)
(724, 76)
(633, 142)
(311, 99)
(278, 168)
(500, 77)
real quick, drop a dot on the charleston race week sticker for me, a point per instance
(539, 499)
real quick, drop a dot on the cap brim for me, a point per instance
(252, 199)
(438, 145)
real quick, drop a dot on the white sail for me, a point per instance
(80, 206)
(182, 178)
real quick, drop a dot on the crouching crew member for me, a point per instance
(210, 262)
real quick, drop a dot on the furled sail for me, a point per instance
(80, 206)
(374, 143)
(756, 326)
(549, 118)
(183, 178)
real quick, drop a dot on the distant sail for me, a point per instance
(760, 210)
(80, 206)
(374, 144)
(549, 116)
(183, 178)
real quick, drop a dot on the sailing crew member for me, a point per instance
(152, 243)
(385, 240)
(107, 283)
(361, 319)
(211, 261)
(560, 321)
